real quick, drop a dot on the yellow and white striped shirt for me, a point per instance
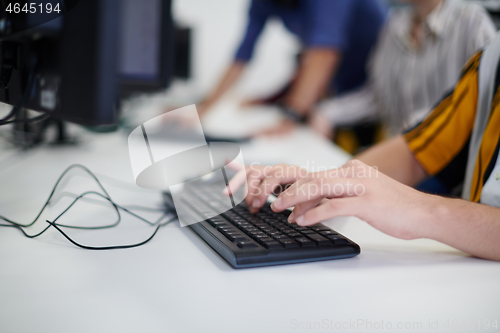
(459, 140)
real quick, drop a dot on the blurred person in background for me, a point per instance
(336, 37)
(418, 57)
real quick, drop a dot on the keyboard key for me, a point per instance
(327, 232)
(227, 228)
(338, 240)
(246, 245)
(304, 242)
(286, 213)
(319, 228)
(318, 239)
(294, 235)
(239, 224)
(315, 236)
(217, 223)
(272, 245)
(235, 237)
(216, 219)
(288, 243)
(307, 232)
(281, 236)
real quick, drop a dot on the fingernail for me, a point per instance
(277, 203)
(290, 218)
(256, 203)
(300, 219)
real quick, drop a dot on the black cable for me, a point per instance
(27, 120)
(114, 247)
(100, 202)
(58, 226)
(73, 166)
(11, 114)
(107, 226)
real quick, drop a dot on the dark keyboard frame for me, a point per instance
(337, 247)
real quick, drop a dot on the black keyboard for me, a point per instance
(266, 238)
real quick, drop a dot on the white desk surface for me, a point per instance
(176, 283)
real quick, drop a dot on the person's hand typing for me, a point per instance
(265, 180)
(359, 190)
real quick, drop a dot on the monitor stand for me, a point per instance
(30, 135)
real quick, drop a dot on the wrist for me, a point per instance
(436, 217)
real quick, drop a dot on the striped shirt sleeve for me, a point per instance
(440, 142)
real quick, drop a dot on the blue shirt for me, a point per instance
(349, 26)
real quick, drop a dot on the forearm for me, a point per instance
(230, 77)
(316, 70)
(470, 227)
(394, 159)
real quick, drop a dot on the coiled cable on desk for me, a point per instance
(105, 196)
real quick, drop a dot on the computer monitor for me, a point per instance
(83, 61)
(147, 46)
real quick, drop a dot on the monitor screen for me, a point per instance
(140, 39)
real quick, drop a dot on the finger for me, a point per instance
(303, 207)
(254, 178)
(292, 189)
(332, 208)
(298, 183)
(319, 188)
(268, 186)
(255, 198)
(278, 179)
